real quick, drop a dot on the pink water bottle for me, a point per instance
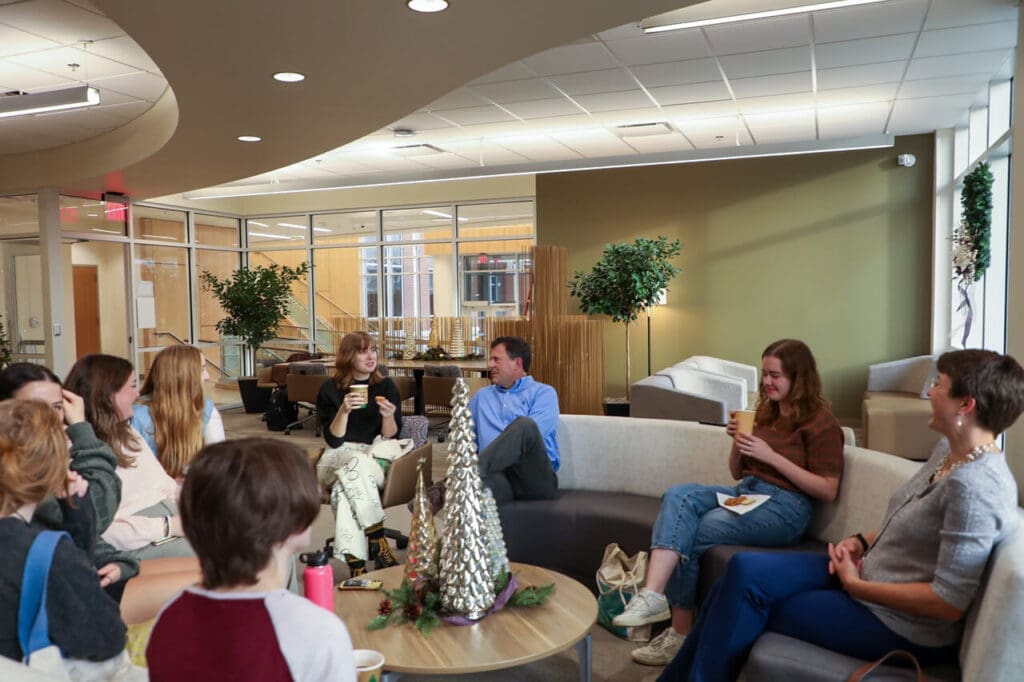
(318, 576)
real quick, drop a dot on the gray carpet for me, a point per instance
(611, 661)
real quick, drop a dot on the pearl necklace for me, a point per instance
(969, 457)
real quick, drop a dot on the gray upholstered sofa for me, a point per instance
(614, 471)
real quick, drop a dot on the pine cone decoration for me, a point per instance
(385, 607)
(412, 612)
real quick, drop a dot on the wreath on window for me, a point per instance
(972, 250)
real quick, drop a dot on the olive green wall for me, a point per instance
(832, 248)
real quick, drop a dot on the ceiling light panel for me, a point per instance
(446, 160)
(870, 21)
(409, 151)
(50, 101)
(756, 36)
(653, 49)
(678, 73)
(766, 63)
(643, 129)
(659, 144)
(864, 51)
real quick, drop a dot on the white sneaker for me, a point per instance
(661, 650)
(646, 607)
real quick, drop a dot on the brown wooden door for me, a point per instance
(87, 310)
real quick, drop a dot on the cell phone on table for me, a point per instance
(360, 584)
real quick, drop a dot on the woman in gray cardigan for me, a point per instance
(906, 585)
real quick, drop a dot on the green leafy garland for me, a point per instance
(976, 225)
(421, 604)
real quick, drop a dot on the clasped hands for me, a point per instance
(845, 560)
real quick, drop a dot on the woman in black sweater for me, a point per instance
(353, 415)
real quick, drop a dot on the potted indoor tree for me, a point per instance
(627, 281)
(255, 300)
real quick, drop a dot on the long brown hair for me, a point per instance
(97, 378)
(352, 343)
(33, 454)
(175, 391)
(805, 397)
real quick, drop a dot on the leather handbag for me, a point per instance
(866, 669)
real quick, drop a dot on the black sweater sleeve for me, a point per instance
(363, 424)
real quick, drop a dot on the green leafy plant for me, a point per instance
(627, 281)
(972, 250)
(254, 300)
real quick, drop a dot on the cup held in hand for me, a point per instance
(745, 421)
(363, 391)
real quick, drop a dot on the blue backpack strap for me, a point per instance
(33, 624)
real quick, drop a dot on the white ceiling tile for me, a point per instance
(701, 110)
(660, 47)
(709, 133)
(955, 40)
(771, 85)
(56, 61)
(593, 82)
(126, 51)
(123, 112)
(140, 85)
(856, 76)
(543, 108)
(17, 77)
(869, 21)
(767, 63)
(485, 153)
(763, 34)
(459, 98)
(111, 97)
(571, 58)
(884, 92)
(614, 101)
(59, 21)
(912, 116)
(781, 126)
(421, 121)
(934, 87)
(506, 92)
(475, 115)
(659, 143)
(774, 103)
(13, 41)
(957, 65)
(864, 51)
(694, 92)
(510, 72)
(852, 121)
(537, 148)
(677, 73)
(947, 13)
(445, 161)
(594, 143)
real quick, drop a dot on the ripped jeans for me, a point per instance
(691, 522)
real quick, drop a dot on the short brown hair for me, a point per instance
(996, 382)
(33, 454)
(240, 499)
(805, 397)
(516, 347)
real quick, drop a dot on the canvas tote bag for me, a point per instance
(620, 578)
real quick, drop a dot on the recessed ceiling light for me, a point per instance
(404, 132)
(427, 5)
(250, 138)
(289, 77)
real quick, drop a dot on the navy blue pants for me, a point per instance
(788, 593)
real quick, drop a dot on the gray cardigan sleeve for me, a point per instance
(95, 461)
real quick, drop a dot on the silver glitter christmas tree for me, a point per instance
(457, 348)
(422, 561)
(497, 552)
(467, 586)
(410, 339)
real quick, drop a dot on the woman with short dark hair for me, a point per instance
(905, 586)
(248, 506)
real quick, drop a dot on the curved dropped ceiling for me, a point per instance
(367, 63)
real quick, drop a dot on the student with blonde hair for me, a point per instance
(172, 416)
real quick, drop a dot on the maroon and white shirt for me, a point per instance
(252, 636)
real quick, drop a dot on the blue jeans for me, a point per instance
(788, 593)
(691, 522)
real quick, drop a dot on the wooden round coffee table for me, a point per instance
(506, 639)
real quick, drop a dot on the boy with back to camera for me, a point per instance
(247, 507)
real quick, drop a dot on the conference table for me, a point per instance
(419, 368)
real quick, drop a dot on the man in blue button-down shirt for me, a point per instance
(516, 419)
